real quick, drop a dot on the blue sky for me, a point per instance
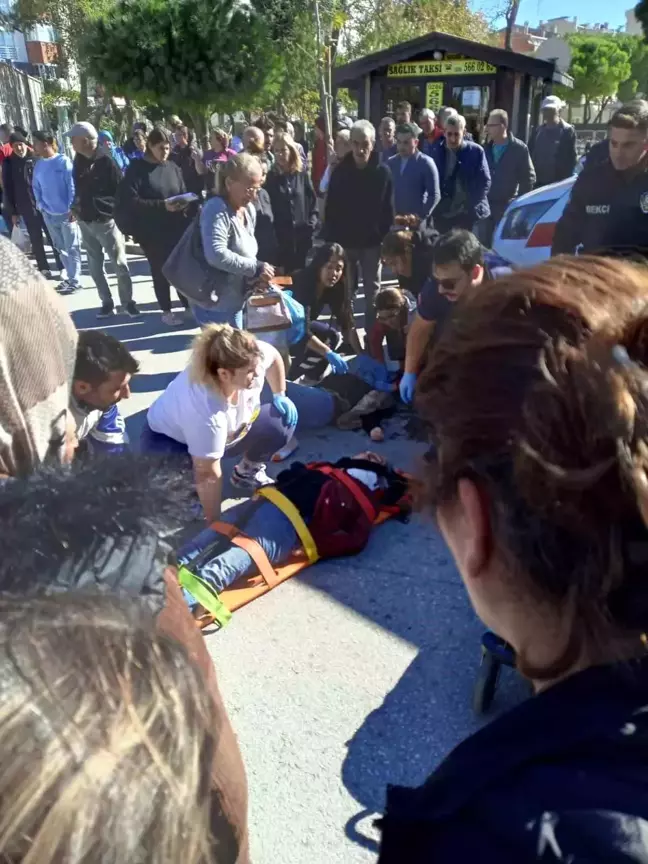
(587, 11)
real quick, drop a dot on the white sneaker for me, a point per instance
(250, 475)
(171, 320)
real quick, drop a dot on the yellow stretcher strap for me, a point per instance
(292, 513)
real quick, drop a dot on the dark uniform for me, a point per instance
(607, 212)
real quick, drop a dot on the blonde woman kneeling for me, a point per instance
(213, 410)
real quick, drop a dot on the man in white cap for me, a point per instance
(553, 144)
(96, 178)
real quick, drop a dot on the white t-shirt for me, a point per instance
(204, 420)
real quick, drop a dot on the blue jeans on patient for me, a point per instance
(223, 313)
(267, 525)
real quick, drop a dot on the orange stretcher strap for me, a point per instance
(363, 500)
(252, 547)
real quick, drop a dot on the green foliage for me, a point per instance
(190, 54)
(599, 64)
(637, 83)
(382, 23)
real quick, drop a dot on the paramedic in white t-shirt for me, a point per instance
(213, 409)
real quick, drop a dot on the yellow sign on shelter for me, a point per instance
(434, 95)
(421, 68)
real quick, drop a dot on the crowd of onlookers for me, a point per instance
(115, 744)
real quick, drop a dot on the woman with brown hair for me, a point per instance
(538, 394)
(294, 205)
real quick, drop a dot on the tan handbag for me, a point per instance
(267, 311)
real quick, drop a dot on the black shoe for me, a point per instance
(106, 311)
(131, 310)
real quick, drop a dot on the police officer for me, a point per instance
(608, 209)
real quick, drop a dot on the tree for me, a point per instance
(196, 55)
(510, 14)
(598, 66)
(637, 83)
(377, 24)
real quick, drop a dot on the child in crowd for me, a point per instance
(102, 374)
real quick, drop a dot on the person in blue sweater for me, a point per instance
(102, 374)
(465, 178)
(415, 176)
(53, 188)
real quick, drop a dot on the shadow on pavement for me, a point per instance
(166, 343)
(148, 382)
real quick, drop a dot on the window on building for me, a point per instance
(7, 46)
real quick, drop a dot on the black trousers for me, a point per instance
(156, 255)
(35, 228)
(443, 224)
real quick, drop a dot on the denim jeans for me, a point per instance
(100, 237)
(66, 237)
(266, 524)
(368, 261)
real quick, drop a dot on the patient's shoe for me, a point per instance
(250, 475)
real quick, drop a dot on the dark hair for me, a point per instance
(106, 731)
(459, 246)
(538, 391)
(281, 124)
(397, 243)
(7, 127)
(407, 129)
(157, 135)
(44, 138)
(389, 298)
(21, 131)
(322, 255)
(64, 527)
(632, 115)
(98, 355)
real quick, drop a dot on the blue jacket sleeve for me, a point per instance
(215, 232)
(71, 190)
(481, 185)
(432, 187)
(109, 435)
(37, 188)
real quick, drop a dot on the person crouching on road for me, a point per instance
(213, 410)
(102, 374)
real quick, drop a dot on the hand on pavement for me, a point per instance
(338, 364)
(286, 407)
(407, 385)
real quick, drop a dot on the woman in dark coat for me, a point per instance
(142, 209)
(293, 204)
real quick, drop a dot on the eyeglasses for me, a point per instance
(492, 125)
(387, 314)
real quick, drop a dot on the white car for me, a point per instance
(525, 232)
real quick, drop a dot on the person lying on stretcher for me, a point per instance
(339, 515)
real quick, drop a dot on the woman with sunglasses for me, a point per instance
(227, 227)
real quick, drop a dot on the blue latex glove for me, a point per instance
(286, 407)
(407, 385)
(338, 364)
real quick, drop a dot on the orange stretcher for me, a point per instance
(218, 608)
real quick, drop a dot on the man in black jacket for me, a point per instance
(360, 210)
(511, 169)
(19, 202)
(553, 145)
(96, 178)
(608, 209)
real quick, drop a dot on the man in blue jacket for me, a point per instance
(465, 179)
(415, 177)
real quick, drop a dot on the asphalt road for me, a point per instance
(356, 674)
